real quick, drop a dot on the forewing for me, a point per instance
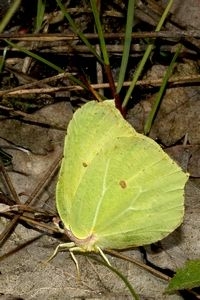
(91, 128)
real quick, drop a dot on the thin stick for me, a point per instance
(139, 264)
(22, 90)
(42, 183)
(11, 226)
(13, 251)
(10, 186)
(49, 37)
(33, 223)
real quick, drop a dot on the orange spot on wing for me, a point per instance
(123, 184)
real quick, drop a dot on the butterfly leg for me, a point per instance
(60, 247)
(75, 260)
(103, 256)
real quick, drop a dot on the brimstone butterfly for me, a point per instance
(116, 188)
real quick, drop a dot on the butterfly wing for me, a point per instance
(91, 128)
(131, 194)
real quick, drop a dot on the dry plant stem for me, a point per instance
(99, 69)
(8, 230)
(22, 77)
(36, 83)
(21, 90)
(90, 88)
(10, 186)
(32, 222)
(4, 208)
(139, 264)
(112, 86)
(47, 177)
(136, 50)
(38, 26)
(52, 37)
(110, 79)
(10, 227)
(20, 247)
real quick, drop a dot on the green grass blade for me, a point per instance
(2, 59)
(127, 44)
(41, 4)
(145, 56)
(47, 62)
(106, 62)
(99, 28)
(34, 55)
(158, 99)
(137, 73)
(8, 16)
(121, 276)
(78, 32)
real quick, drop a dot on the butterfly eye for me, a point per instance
(61, 225)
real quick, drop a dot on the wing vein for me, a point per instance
(104, 189)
